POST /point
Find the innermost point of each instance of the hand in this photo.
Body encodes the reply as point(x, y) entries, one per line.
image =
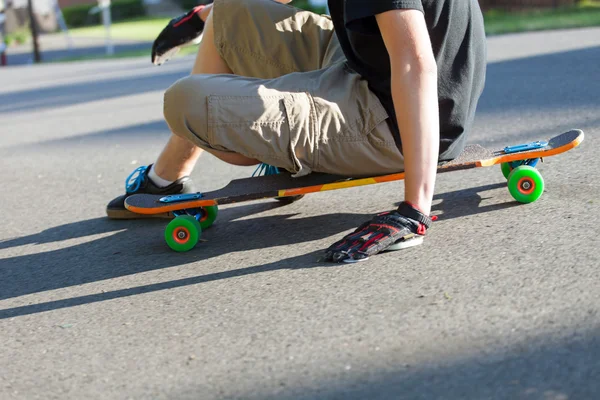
point(178, 32)
point(393, 230)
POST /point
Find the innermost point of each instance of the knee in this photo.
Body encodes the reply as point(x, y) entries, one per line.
point(178, 107)
point(171, 100)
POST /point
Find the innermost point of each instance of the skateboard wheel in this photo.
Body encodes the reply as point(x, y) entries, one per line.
point(525, 184)
point(506, 169)
point(208, 217)
point(182, 233)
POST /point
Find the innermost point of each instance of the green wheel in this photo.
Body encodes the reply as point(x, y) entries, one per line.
point(506, 169)
point(182, 233)
point(525, 184)
point(209, 215)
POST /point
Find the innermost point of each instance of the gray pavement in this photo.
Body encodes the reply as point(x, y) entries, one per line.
point(57, 47)
point(501, 302)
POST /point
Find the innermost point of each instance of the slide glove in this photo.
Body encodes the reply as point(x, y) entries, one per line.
point(392, 230)
point(178, 32)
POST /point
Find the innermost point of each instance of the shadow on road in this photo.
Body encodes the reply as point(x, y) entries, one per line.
point(543, 78)
point(93, 90)
point(503, 91)
point(557, 369)
point(138, 246)
point(103, 139)
point(465, 202)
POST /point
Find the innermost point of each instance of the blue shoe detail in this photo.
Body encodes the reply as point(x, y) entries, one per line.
point(135, 179)
point(173, 198)
point(265, 169)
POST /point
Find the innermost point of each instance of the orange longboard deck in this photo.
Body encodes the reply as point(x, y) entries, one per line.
point(283, 185)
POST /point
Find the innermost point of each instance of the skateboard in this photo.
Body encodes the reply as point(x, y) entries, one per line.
point(197, 211)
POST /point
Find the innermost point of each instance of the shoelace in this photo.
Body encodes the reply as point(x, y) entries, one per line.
point(133, 181)
point(265, 169)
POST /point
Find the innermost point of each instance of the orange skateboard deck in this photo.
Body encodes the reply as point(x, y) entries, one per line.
point(518, 163)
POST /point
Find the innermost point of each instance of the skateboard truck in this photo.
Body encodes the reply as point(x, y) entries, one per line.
point(532, 162)
point(524, 147)
point(180, 197)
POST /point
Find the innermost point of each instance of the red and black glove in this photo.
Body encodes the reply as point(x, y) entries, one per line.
point(393, 230)
point(178, 32)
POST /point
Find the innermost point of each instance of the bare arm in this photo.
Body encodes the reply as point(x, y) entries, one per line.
point(414, 91)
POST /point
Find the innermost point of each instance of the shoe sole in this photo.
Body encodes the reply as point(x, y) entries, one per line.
point(126, 214)
point(405, 244)
point(402, 244)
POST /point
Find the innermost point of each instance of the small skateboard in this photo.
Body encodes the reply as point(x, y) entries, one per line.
point(197, 211)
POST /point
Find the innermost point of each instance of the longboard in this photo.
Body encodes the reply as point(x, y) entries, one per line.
point(518, 162)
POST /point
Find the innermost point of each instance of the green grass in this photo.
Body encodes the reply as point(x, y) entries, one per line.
point(585, 14)
point(17, 37)
point(145, 29)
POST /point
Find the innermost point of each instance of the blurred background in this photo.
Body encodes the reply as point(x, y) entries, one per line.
point(69, 30)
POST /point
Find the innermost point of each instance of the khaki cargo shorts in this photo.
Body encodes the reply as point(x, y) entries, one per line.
point(292, 101)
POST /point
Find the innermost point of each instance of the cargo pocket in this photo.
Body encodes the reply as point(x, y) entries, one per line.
point(350, 111)
point(303, 129)
point(353, 134)
point(268, 128)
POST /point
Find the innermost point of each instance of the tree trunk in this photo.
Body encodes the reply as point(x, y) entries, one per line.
point(34, 32)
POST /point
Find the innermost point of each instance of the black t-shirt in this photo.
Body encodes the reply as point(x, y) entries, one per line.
point(458, 39)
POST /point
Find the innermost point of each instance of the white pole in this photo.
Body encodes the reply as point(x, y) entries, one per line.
point(105, 6)
point(2, 44)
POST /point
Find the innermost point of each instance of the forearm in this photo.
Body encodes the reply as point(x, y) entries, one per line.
point(414, 91)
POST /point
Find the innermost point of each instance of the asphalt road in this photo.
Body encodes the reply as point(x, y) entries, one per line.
point(55, 47)
point(501, 302)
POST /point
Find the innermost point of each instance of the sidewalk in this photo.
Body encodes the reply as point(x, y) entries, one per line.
point(55, 46)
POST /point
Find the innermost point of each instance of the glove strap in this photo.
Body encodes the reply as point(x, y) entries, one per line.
point(189, 18)
point(411, 212)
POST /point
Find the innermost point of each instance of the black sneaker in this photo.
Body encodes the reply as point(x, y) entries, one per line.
point(138, 182)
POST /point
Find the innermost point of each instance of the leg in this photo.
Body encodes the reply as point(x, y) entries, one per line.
point(179, 156)
point(296, 113)
point(276, 47)
point(324, 121)
point(269, 40)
